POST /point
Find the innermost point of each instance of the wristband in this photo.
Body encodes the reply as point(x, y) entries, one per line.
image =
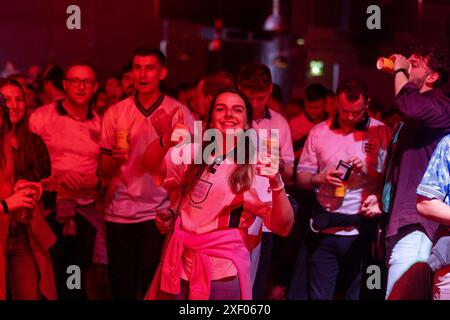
point(405, 72)
point(276, 189)
point(5, 206)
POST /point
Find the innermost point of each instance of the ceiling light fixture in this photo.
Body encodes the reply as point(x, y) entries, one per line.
point(274, 22)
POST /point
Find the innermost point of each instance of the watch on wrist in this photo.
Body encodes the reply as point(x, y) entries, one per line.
point(5, 206)
point(403, 70)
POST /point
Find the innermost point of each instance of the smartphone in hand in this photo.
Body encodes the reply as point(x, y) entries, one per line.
point(345, 170)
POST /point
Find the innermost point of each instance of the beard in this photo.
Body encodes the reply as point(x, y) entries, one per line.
point(419, 82)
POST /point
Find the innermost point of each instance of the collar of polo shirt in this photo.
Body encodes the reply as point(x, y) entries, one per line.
point(363, 125)
point(63, 112)
point(266, 113)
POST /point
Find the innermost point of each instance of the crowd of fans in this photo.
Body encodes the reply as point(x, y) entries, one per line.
point(89, 185)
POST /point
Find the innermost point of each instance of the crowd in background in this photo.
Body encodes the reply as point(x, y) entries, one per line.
point(87, 181)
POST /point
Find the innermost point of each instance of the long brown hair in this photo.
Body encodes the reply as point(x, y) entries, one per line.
point(242, 176)
point(6, 156)
point(26, 152)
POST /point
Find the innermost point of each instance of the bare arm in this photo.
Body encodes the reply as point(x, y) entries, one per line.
point(400, 62)
point(307, 180)
point(400, 81)
point(282, 217)
point(434, 209)
point(153, 160)
point(286, 172)
point(304, 180)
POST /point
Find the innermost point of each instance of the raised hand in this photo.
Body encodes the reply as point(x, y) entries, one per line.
point(171, 134)
point(162, 121)
point(400, 62)
point(179, 131)
point(269, 161)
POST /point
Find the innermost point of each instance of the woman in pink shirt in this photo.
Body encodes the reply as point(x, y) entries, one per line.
point(207, 256)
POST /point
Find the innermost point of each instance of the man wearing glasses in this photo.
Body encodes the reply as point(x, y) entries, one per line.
point(71, 132)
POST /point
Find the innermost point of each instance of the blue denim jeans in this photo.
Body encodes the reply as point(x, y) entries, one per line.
point(439, 262)
point(441, 287)
point(411, 248)
point(331, 256)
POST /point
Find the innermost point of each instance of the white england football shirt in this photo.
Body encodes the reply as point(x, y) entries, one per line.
point(73, 145)
point(212, 205)
point(326, 145)
point(133, 192)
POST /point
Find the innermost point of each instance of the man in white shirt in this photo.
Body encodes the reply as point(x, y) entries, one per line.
point(351, 136)
point(255, 81)
point(71, 131)
point(134, 243)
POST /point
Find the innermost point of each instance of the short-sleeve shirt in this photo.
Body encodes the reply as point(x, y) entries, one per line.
point(435, 183)
point(73, 145)
point(326, 145)
point(212, 205)
point(135, 196)
point(274, 120)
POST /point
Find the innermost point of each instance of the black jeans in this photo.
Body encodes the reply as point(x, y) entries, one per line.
point(67, 251)
point(330, 256)
point(134, 252)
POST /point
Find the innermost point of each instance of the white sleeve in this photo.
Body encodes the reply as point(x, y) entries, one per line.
point(177, 161)
point(308, 160)
point(35, 123)
point(107, 134)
